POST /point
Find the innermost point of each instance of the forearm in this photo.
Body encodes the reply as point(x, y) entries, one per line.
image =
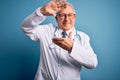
point(85, 56)
point(33, 19)
point(31, 23)
point(83, 53)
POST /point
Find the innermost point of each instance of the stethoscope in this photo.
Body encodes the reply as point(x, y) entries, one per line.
point(75, 36)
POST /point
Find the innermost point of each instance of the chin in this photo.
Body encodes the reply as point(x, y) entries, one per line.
point(66, 29)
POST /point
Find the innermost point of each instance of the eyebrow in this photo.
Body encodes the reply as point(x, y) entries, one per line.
point(57, 14)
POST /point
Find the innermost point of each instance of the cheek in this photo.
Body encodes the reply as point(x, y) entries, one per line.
point(60, 21)
point(73, 21)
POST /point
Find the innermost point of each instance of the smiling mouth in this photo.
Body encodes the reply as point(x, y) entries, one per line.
point(66, 23)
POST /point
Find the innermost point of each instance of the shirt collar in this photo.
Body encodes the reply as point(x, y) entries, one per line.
point(68, 31)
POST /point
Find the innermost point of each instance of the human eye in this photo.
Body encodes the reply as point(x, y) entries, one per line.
point(62, 15)
point(71, 15)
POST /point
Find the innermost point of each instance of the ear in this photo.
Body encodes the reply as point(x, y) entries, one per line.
point(75, 15)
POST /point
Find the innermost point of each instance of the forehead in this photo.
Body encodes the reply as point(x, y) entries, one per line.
point(67, 9)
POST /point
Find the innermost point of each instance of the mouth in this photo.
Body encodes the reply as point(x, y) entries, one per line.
point(65, 23)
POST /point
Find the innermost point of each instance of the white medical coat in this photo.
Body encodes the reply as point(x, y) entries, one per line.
point(55, 62)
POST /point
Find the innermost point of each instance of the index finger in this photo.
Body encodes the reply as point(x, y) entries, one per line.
point(59, 0)
point(55, 0)
point(58, 39)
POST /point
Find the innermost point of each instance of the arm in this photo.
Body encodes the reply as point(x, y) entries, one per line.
point(83, 53)
point(31, 23)
point(79, 50)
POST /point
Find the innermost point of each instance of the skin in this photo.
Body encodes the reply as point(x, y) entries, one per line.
point(64, 22)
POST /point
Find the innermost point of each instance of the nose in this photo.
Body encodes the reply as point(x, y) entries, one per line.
point(66, 17)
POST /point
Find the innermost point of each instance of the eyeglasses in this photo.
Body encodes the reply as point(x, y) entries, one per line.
point(70, 15)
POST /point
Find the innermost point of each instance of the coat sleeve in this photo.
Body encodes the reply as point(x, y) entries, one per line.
point(83, 53)
point(30, 25)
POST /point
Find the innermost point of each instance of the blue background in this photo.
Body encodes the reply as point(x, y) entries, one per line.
point(100, 19)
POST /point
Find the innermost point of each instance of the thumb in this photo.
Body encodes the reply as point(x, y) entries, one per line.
point(70, 35)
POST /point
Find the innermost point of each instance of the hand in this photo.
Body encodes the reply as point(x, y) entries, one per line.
point(51, 8)
point(65, 43)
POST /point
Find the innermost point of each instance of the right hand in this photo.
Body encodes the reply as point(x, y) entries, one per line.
point(51, 8)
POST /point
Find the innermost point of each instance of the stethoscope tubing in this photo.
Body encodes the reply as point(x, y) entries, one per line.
point(76, 35)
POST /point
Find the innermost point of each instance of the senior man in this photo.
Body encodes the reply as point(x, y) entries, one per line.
point(63, 49)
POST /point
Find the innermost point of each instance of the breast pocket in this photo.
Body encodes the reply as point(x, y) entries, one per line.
point(54, 50)
point(53, 46)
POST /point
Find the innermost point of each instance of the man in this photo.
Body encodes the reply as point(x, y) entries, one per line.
point(63, 49)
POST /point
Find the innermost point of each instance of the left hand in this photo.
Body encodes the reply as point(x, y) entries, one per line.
point(65, 43)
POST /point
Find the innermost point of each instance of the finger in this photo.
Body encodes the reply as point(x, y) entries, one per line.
point(55, 0)
point(63, 0)
point(59, 0)
point(62, 45)
point(70, 35)
point(58, 39)
point(58, 42)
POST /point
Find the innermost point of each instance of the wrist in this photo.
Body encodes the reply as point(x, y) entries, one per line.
point(42, 10)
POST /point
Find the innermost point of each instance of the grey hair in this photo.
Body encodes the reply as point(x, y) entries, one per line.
point(64, 4)
point(69, 4)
